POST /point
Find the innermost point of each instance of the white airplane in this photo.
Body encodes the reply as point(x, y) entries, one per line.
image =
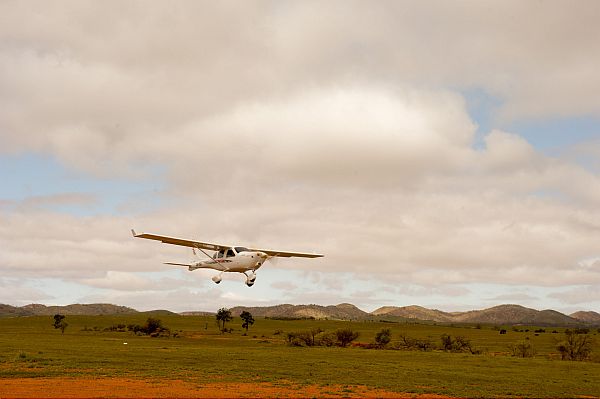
point(227, 258)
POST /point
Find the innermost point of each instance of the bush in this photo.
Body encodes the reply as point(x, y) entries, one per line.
point(153, 328)
point(575, 346)
point(522, 349)
point(327, 339)
point(410, 343)
point(299, 338)
point(317, 337)
point(345, 336)
point(383, 337)
point(457, 344)
point(116, 327)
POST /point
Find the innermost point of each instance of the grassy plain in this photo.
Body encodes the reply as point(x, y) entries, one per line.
point(31, 347)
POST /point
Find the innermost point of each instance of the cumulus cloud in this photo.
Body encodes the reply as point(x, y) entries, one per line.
point(52, 201)
point(350, 138)
point(17, 292)
point(390, 182)
point(584, 294)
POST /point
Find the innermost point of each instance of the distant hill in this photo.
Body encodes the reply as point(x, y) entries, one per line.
point(516, 314)
point(343, 311)
point(414, 312)
point(502, 314)
point(197, 313)
point(587, 317)
point(158, 312)
point(94, 309)
point(7, 310)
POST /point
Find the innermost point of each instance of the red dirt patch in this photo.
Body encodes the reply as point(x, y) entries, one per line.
point(134, 388)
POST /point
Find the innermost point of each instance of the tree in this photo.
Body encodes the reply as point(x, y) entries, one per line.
point(313, 333)
point(575, 346)
point(345, 336)
point(248, 320)
point(223, 316)
point(59, 322)
point(153, 326)
point(383, 337)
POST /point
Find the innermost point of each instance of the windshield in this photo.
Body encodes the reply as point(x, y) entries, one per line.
point(241, 249)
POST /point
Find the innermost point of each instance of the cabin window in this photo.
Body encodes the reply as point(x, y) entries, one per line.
point(240, 249)
point(219, 254)
point(230, 253)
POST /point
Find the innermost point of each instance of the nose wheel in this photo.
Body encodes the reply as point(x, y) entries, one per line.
point(250, 278)
point(217, 279)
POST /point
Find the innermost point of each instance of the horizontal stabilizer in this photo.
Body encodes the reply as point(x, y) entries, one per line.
point(180, 264)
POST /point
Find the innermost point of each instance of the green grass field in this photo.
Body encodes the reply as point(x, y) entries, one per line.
point(31, 347)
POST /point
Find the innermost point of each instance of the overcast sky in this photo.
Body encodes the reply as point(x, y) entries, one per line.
point(438, 153)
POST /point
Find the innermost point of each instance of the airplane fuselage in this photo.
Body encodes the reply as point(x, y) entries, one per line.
point(240, 262)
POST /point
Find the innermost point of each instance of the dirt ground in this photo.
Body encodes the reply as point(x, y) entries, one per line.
point(135, 388)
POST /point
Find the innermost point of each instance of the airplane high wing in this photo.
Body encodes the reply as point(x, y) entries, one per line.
point(182, 242)
point(218, 247)
point(227, 258)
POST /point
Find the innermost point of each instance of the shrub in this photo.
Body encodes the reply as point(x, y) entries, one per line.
point(410, 343)
point(575, 346)
point(327, 339)
point(153, 327)
point(457, 344)
point(383, 337)
point(522, 349)
point(299, 338)
point(345, 336)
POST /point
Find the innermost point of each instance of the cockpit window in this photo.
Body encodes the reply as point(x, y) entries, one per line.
point(230, 253)
point(241, 249)
point(219, 254)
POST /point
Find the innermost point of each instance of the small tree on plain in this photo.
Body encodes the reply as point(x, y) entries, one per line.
point(223, 316)
point(575, 346)
point(59, 322)
point(383, 337)
point(313, 333)
point(248, 320)
point(345, 336)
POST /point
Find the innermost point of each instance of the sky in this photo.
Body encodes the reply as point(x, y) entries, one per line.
point(444, 154)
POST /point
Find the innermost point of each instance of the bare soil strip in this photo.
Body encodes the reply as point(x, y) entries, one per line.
point(137, 388)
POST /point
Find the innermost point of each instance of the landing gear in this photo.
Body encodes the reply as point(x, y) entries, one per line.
point(250, 279)
point(217, 279)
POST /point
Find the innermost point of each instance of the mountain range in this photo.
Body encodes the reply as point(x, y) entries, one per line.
point(502, 314)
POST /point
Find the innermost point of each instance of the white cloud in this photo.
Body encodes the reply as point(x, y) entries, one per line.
point(348, 138)
point(401, 194)
point(16, 292)
point(125, 281)
point(584, 294)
